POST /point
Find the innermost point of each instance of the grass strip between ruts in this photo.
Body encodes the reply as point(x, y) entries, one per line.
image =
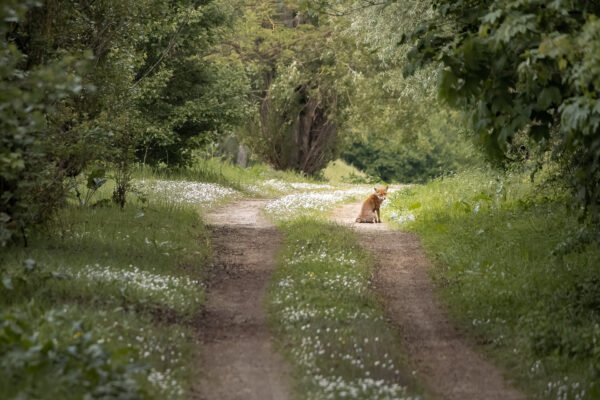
point(328, 321)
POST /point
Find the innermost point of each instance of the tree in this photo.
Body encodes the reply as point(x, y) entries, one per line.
point(29, 189)
point(397, 128)
point(100, 124)
point(188, 95)
point(298, 80)
point(95, 82)
point(523, 68)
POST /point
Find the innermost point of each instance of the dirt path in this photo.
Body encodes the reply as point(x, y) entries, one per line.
point(238, 360)
point(443, 360)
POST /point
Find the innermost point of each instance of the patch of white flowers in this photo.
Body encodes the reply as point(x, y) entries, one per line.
point(296, 204)
point(278, 186)
point(166, 380)
point(166, 383)
point(335, 387)
point(402, 218)
point(302, 254)
point(187, 192)
point(338, 361)
point(287, 186)
point(563, 389)
point(175, 292)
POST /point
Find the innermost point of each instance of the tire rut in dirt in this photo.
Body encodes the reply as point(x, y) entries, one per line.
point(443, 359)
point(238, 360)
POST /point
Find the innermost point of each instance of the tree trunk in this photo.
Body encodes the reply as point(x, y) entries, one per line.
point(301, 139)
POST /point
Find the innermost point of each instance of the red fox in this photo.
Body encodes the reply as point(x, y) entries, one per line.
point(370, 209)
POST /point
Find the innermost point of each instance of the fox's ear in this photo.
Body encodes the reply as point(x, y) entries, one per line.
point(386, 187)
point(375, 189)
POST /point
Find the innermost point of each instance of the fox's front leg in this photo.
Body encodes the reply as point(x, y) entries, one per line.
point(378, 219)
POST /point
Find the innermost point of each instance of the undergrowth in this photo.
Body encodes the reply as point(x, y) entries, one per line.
point(328, 321)
point(100, 303)
point(505, 266)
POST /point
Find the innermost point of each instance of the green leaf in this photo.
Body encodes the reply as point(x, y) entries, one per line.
point(515, 25)
point(549, 96)
point(96, 179)
point(574, 114)
point(492, 17)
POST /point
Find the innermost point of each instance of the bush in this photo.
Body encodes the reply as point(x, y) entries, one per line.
point(30, 183)
point(409, 162)
point(48, 355)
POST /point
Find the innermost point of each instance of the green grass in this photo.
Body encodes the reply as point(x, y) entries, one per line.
point(217, 171)
point(94, 247)
point(496, 240)
point(161, 186)
point(101, 302)
point(328, 321)
point(338, 171)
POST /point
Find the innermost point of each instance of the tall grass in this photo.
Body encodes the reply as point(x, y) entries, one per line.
point(498, 242)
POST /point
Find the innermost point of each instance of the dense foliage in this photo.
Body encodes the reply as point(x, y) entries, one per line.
point(411, 161)
point(529, 68)
point(27, 180)
point(299, 83)
point(95, 83)
point(396, 128)
point(188, 96)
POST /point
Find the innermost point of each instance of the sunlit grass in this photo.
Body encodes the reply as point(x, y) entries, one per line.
point(206, 182)
point(496, 240)
point(338, 171)
point(213, 170)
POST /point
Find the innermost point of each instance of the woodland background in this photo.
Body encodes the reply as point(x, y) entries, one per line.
point(494, 104)
point(96, 85)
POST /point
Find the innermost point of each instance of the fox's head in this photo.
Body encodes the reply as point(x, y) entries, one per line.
point(381, 192)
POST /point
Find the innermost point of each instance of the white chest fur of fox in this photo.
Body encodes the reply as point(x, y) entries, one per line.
point(370, 212)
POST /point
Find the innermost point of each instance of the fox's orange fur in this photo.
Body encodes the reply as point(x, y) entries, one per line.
point(370, 209)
